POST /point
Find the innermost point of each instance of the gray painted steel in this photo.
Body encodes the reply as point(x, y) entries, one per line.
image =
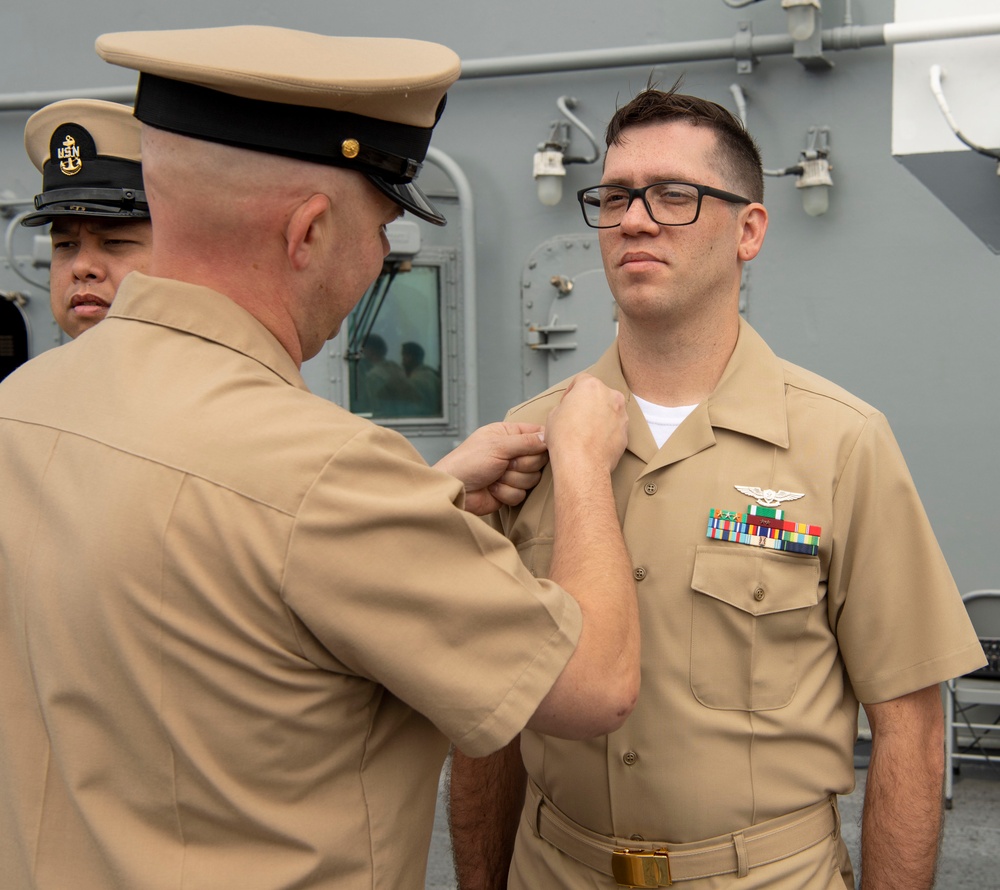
point(889, 294)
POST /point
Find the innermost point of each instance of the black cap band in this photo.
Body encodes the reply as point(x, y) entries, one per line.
point(391, 151)
point(101, 186)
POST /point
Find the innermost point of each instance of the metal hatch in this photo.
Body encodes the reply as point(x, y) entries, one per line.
point(568, 315)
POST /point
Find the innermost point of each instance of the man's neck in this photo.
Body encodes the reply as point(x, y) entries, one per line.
point(675, 368)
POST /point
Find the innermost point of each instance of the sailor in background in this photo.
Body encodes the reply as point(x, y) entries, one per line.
point(88, 153)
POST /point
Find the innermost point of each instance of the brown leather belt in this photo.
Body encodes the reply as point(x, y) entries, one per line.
point(652, 864)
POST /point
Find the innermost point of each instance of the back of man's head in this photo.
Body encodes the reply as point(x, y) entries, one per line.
point(737, 153)
point(274, 158)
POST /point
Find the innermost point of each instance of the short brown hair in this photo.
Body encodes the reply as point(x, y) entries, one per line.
point(736, 150)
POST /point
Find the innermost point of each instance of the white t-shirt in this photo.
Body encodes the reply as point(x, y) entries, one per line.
point(661, 419)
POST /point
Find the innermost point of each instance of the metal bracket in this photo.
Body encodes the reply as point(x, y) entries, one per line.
point(534, 341)
point(809, 53)
point(743, 48)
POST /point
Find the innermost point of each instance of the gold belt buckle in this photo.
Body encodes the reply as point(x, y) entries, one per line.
point(641, 868)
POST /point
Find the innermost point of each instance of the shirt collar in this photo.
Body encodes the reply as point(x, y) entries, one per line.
point(749, 397)
point(203, 313)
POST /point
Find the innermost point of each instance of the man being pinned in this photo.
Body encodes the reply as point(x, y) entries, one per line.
point(762, 630)
point(88, 153)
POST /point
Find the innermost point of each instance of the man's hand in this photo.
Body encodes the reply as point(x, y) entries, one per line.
point(590, 424)
point(498, 465)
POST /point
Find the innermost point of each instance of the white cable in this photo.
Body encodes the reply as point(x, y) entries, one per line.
point(741, 102)
point(565, 103)
point(741, 105)
point(936, 75)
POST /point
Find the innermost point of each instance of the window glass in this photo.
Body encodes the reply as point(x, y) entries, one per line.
point(395, 360)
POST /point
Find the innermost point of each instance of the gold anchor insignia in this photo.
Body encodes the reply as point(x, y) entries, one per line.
point(69, 157)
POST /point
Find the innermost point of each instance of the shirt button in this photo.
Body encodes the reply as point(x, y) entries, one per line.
point(758, 594)
point(638, 573)
point(629, 758)
point(649, 488)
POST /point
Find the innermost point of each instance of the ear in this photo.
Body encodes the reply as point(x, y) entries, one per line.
point(305, 228)
point(754, 222)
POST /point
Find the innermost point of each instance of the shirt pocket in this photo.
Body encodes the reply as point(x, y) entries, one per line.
point(749, 614)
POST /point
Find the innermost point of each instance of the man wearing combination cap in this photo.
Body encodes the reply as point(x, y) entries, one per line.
point(88, 154)
point(239, 625)
point(786, 571)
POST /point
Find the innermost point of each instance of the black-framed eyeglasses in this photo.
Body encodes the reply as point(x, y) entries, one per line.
point(667, 203)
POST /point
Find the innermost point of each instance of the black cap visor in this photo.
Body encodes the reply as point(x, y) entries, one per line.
point(409, 197)
point(105, 203)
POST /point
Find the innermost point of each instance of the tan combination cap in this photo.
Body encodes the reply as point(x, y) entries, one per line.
point(88, 154)
point(364, 103)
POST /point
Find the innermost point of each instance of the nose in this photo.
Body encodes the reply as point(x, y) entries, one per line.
point(637, 219)
point(88, 266)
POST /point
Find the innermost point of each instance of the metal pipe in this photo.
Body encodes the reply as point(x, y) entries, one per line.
point(624, 57)
point(470, 374)
point(842, 38)
point(834, 39)
point(917, 32)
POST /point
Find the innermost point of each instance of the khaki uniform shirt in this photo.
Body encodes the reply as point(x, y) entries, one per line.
point(753, 660)
point(238, 625)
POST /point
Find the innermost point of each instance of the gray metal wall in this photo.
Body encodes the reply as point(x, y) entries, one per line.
point(888, 294)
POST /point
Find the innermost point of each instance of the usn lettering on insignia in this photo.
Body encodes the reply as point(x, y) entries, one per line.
point(69, 157)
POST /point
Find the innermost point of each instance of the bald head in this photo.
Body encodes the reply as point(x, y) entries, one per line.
point(203, 187)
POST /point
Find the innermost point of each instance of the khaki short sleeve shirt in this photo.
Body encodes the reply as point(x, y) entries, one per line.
point(238, 625)
point(753, 659)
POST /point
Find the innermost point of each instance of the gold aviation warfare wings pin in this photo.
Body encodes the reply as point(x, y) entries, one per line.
point(767, 497)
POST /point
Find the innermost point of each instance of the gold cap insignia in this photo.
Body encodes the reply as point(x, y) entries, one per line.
point(349, 148)
point(69, 157)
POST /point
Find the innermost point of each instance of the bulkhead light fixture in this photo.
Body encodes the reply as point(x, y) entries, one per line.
point(803, 16)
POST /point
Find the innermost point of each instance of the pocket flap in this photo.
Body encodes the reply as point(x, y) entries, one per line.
point(756, 581)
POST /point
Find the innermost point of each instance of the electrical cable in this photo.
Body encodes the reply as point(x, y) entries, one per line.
point(565, 103)
point(741, 102)
point(936, 75)
point(739, 97)
point(794, 170)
